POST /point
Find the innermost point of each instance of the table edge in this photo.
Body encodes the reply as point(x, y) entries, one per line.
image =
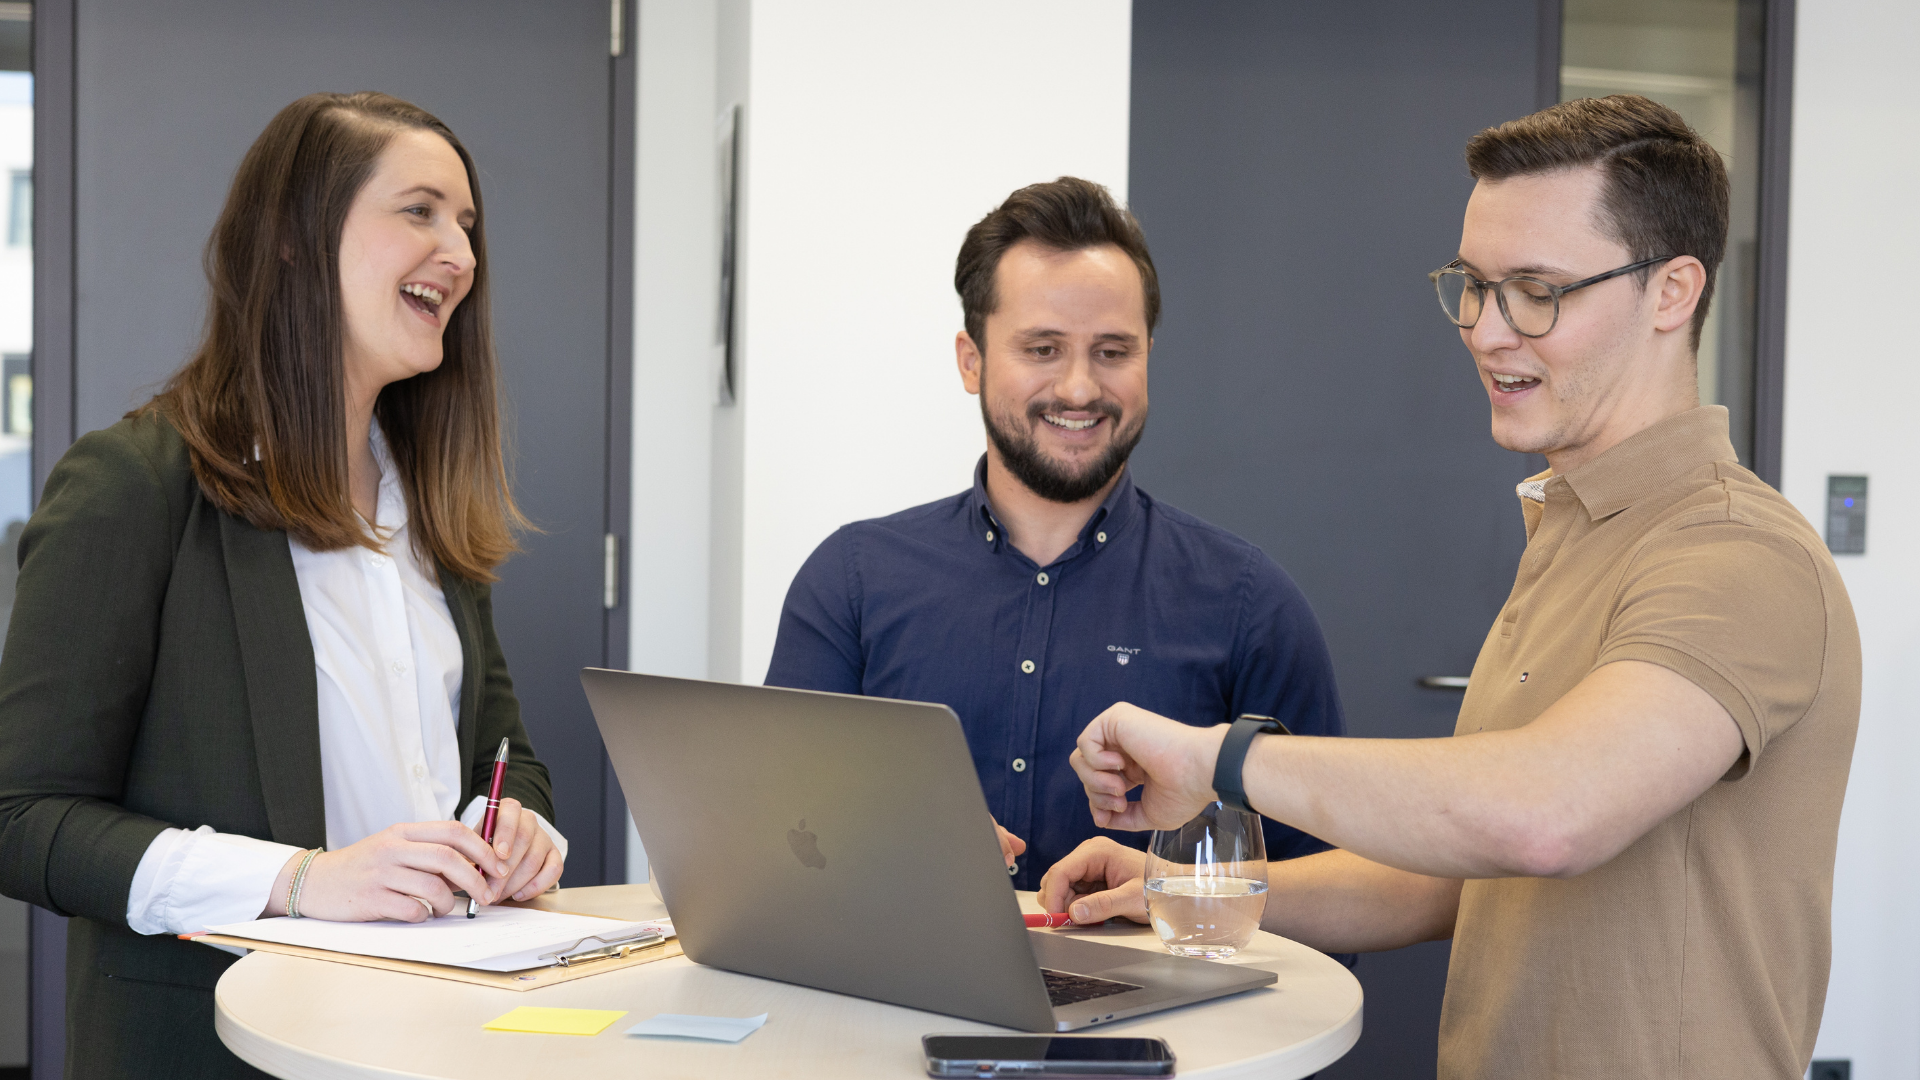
point(279, 1058)
point(1305, 1058)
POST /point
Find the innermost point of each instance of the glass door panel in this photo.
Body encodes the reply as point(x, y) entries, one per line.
point(1701, 59)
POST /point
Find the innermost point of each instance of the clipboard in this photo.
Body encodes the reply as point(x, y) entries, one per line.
point(584, 961)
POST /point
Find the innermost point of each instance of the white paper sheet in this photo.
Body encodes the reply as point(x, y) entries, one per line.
point(711, 1028)
point(499, 939)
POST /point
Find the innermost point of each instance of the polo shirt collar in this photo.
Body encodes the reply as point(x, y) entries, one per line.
point(1649, 460)
point(1115, 512)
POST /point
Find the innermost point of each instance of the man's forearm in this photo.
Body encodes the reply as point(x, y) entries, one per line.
point(1337, 901)
point(1435, 807)
point(1628, 747)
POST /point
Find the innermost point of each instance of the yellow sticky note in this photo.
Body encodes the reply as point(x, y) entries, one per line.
point(556, 1021)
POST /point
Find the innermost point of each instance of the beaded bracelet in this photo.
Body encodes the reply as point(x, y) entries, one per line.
point(299, 878)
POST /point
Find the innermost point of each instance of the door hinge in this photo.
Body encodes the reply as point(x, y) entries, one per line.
point(617, 40)
point(610, 598)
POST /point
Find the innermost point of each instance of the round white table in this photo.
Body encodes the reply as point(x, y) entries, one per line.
point(314, 1020)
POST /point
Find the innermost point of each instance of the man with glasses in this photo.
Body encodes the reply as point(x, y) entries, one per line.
point(1630, 837)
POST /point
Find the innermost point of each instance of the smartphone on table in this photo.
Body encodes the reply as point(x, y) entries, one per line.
point(1045, 1055)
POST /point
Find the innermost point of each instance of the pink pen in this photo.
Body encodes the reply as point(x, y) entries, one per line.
point(493, 811)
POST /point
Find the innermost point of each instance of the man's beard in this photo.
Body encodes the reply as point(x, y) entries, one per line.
point(1046, 477)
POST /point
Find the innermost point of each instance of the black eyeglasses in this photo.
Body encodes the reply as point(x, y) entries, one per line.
point(1530, 306)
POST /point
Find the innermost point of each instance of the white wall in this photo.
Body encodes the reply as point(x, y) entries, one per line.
point(676, 260)
point(1853, 389)
point(877, 133)
point(676, 256)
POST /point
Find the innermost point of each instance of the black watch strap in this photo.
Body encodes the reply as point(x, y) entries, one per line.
point(1227, 782)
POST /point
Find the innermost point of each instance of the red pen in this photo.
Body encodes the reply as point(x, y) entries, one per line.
point(1042, 922)
point(493, 812)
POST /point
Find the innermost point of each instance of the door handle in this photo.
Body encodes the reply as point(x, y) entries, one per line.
point(1444, 682)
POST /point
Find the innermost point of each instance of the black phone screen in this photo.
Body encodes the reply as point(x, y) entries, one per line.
point(1045, 1048)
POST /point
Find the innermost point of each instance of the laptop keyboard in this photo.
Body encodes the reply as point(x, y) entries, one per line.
point(1065, 988)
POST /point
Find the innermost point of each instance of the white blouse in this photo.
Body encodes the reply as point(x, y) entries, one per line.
point(387, 660)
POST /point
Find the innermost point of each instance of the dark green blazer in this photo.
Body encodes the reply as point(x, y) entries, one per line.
point(158, 672)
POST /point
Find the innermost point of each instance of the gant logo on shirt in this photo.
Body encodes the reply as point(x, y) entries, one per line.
point(1122, 654)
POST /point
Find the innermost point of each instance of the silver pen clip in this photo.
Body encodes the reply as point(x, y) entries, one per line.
point(611, 948)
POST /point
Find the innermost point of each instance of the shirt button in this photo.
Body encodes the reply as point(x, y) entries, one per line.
point(1042, 579)
point(1102, 537)
point(378, 560)
point(989, 536)
point(399, 668)
point(1019, 764)
point(1026, 666)
point(419, 772)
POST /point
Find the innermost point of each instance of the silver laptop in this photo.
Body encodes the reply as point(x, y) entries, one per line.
point(843, 843)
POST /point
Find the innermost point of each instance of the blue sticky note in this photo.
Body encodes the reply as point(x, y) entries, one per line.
point(710, 1028)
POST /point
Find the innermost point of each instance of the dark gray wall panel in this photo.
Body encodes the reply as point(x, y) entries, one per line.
point(169, 95)
point(1298, 170)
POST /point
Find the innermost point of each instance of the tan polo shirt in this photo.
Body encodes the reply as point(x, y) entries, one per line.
point(1702, 949)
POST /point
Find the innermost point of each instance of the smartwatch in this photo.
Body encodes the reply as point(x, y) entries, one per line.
point(1227, 782)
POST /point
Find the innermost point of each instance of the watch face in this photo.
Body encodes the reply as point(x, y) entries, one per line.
point(1267, 724)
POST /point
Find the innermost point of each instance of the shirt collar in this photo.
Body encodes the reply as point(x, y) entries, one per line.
point(1649, 460)
point(1115, 512)
point(391, 507)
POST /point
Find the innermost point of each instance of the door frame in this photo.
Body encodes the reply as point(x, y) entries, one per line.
point(53, 366)
point(53, 419)
point(1770, 271)
point(622, 196)
point(53, 235)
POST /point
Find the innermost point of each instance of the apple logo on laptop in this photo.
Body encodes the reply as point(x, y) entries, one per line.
point(806, 847)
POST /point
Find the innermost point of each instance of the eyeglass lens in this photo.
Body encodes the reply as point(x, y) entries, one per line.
point(1529, 305)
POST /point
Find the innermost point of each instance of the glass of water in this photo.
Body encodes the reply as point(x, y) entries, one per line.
point(1207, 883)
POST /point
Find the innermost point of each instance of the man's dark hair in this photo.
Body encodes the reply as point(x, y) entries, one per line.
point(1068, 214)
point(1664, 190)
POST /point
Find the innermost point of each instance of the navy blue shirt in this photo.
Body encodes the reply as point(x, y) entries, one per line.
point(1150, 606)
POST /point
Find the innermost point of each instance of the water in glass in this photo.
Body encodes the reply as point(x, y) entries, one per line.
point(1207, 883)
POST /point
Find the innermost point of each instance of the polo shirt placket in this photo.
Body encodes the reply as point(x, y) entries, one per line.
point(1550, 522)
point(1036, 637)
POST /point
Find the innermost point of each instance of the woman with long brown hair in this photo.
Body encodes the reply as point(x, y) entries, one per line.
point(252, 667)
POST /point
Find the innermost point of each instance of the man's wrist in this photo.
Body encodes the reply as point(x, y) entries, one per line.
point(1229, 782)
point(1207, 760)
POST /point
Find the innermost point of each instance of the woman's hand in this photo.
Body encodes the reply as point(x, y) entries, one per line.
point(531, 862)
point(406, 873)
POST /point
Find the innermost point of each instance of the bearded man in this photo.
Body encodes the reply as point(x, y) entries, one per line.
point(1054, 587)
